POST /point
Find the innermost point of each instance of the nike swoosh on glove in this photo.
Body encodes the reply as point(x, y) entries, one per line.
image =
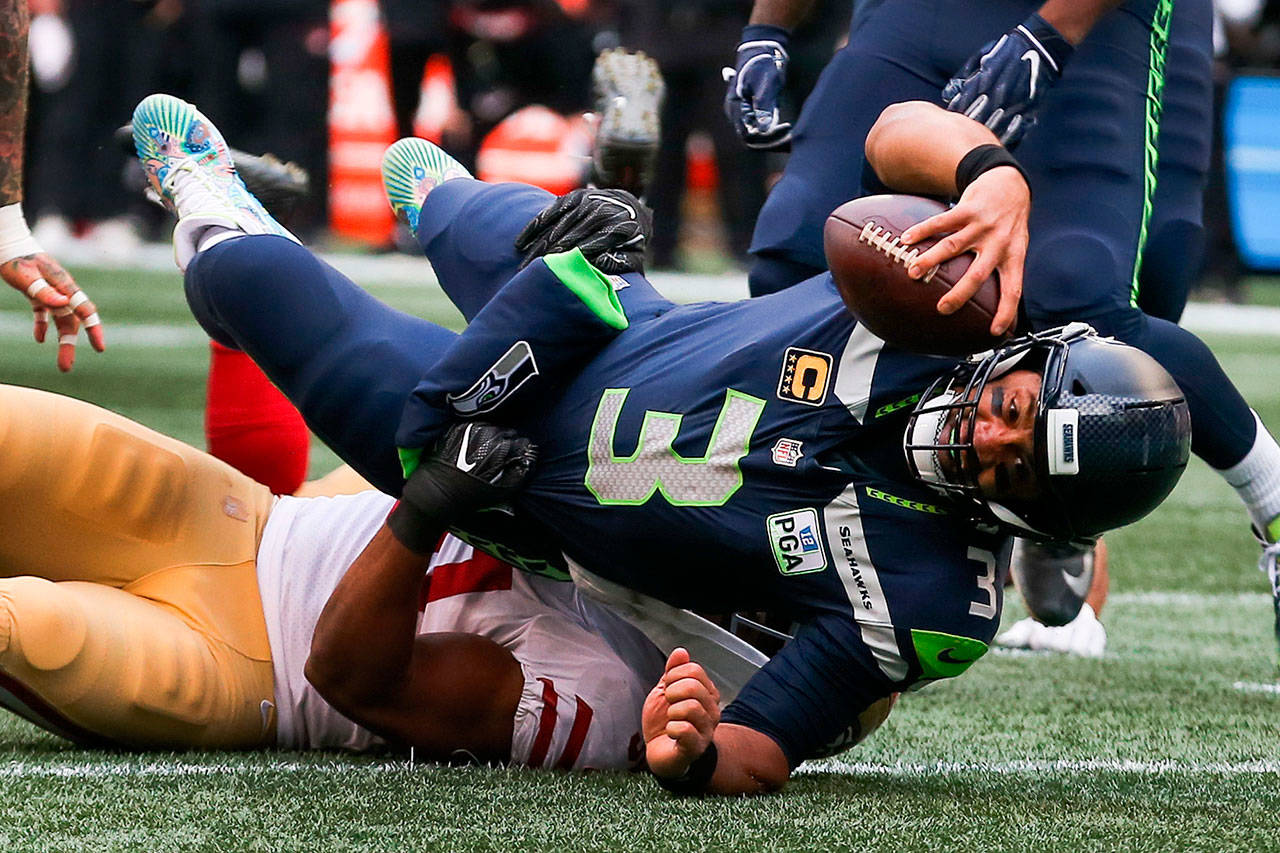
point(475, 465)
point(611, 227)
point(755, 86)
point(1002, 85)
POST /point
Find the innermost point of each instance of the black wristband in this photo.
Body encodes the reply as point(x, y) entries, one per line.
point(414, 529)
point(983, 159)
point(697, 777)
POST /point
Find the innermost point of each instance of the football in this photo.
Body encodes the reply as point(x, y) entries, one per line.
point(868, 262)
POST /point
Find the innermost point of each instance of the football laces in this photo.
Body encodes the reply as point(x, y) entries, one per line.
point(892, 246)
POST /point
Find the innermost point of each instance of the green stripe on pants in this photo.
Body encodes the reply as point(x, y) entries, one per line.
point(1151, 149)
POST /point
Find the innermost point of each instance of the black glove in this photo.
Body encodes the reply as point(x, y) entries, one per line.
point(1001, 86)
point(755, 86)
point(474, 466)
point(611, 227)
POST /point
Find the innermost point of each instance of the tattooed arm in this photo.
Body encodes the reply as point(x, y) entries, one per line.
point(14, 24)
point(23, 265)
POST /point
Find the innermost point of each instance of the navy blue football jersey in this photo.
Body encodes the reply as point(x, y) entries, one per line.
point(749, 455)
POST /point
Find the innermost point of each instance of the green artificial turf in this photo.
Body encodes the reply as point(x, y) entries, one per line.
point(1170, 742)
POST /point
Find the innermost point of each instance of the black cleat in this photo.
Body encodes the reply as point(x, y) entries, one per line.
point(628, 99)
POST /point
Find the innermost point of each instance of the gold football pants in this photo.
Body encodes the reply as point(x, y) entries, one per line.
point(129, 603)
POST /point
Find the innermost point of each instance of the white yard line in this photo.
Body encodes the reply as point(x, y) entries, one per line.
point(1033, 767)
point(1270, 688)
point(1201, 317)
point(1188, 599)
point(404, 270)
point(142, 335)
point(180, 768)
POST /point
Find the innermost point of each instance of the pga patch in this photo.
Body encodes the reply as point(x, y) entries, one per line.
point(797, 545)
point(787, 452)
point(805, 375)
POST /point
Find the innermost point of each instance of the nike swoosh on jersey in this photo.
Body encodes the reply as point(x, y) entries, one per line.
point(946, 657)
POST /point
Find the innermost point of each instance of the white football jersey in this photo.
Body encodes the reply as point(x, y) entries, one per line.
point(586, 671)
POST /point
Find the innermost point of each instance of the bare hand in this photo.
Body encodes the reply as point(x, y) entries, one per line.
point(990, 220)
point(680, 716)
point(49, 287)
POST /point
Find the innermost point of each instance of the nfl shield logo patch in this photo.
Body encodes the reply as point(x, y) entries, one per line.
point(787, 452)
point(797, 546)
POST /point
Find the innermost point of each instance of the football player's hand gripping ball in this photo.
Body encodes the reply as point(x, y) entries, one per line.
point(755, 87)
point(475, 465)
point(1002, 85)
point(49, 288)
point(989, 220)
point(611, 227)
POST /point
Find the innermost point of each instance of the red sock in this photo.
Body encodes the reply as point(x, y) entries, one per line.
point(250, 425)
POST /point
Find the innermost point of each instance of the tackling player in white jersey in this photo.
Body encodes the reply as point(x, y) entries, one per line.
point(153, 597)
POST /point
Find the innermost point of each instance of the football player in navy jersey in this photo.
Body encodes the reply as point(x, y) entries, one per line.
point(1109, 102)
point(741, 455)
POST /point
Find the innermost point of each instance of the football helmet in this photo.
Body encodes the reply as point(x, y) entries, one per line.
point(1112, 434)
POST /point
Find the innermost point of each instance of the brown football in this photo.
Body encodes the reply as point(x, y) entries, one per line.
point(868, 262)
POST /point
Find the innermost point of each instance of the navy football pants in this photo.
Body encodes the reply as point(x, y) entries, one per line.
point(346, 360)
point(1086, 163)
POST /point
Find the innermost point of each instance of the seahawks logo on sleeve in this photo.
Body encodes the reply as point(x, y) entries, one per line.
point(516, 367)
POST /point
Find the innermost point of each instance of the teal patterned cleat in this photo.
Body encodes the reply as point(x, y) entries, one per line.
point(188, 165)
point(412, 168)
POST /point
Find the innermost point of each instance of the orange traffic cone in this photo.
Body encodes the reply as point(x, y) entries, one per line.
point(437, 100)
point(361, 122)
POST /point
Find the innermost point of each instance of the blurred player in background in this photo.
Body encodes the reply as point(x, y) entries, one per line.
point(802, 499)
point(153, 597)
point(1110, 97)
point(678, 33)
point(23, 265)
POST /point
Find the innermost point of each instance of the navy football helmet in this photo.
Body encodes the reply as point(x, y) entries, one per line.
point(1112, 435)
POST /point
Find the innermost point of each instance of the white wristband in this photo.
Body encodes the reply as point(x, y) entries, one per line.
point(15, 237)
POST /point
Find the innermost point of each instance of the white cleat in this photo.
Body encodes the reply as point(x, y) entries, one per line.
point(188, 165)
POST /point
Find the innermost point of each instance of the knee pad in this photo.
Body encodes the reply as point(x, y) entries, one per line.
point(1071, 277)
point(44, 629)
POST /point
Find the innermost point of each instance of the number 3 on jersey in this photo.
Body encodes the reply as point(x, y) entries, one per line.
point(985, 607)
point(708, 480)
